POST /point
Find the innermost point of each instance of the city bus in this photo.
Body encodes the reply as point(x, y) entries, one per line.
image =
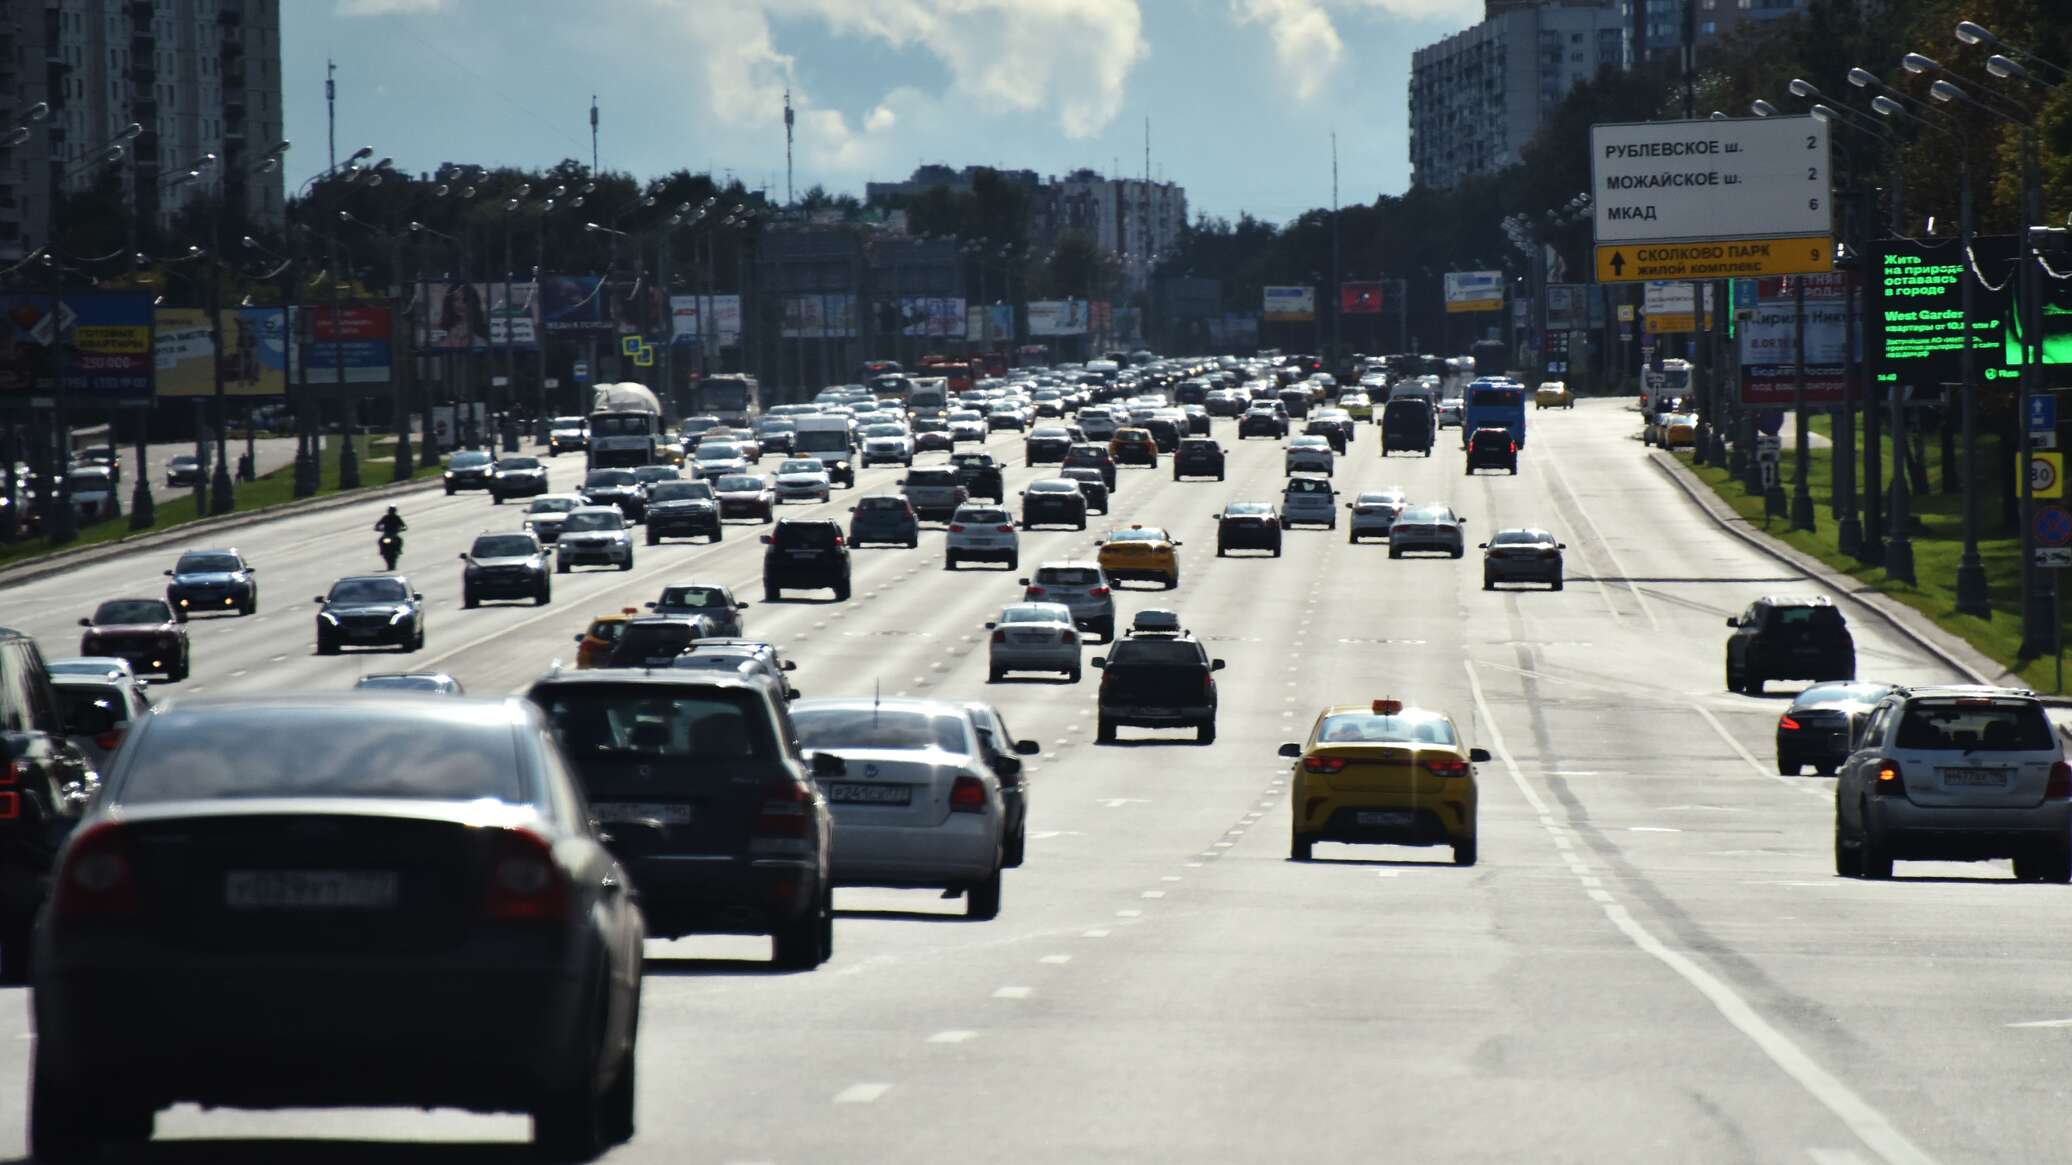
point(1494, 403)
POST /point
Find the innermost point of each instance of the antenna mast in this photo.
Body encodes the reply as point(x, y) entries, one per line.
point(593, 135)
point(789, 198)
point(331, 106)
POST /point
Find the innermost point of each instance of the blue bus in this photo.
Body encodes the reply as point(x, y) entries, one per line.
point(1494, 403)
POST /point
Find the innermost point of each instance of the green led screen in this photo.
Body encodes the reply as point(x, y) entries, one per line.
point(1917, 313)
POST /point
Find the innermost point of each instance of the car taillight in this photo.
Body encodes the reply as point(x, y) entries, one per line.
point(999, 636)
point(1003, 529)
point(1890, 782)
point(1446, 766)
point(99, 877)
point(1322, 764)
point(956, 529)
point(784, 814)
point(2060, 786)
point(1067, 637)
point(968, 795)
point(1098, 593)
point(838, 539)
point(1033, 592)
point(1787, 724)
point(108, 740)
point(10, 772)
point(524, 879)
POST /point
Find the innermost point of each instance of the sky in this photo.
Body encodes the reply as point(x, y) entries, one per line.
point(1242, 96)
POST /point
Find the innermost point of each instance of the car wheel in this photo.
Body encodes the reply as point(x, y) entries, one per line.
point(1488, 583)
point(801, 944)
point(1072, 677)
point(496, 499)
point(62, 1124)
point(1205, 732)
point(1104, 731)
point(561, 566)
point(1788, 765)
point(982, 901)
point(770, 593)
point(1825, 768)
point(653, 538)
point(1457, 552)
point(1299, 847)
point(326, 645)
point(949, 562)
point(1464, 852)
point(841, 590)
point(628, 563)
point(1556, 585)
point(543, 597)
point(1016, 849)
point(1106, 628)
point(467, 600)
point(1848, 864)
point(913, 542)
point(449, 491)
point(1874, 860)
point(1220, 551)
point(569, 1124)
point(1752, 684)
point(1395, 552)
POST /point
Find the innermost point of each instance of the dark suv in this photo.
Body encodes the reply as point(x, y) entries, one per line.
point(885, 519)
point(805, 554)
point(981, 474)
point(1784, 637)
point(1492, 449)
point(1158, 681)
point(698, 780)
point(506, 566)
point(51, 785)
point(1198, 457)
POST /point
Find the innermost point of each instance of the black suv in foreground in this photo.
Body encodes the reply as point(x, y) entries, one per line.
point(803, 554)
point(52, 783)
point(698, 780)
point(1198, 457)
point(1158, 681)
point(1788, 637)
point(1492, 449)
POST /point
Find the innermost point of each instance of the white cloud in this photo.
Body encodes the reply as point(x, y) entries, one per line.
point(387, 7)
point(1305, 42)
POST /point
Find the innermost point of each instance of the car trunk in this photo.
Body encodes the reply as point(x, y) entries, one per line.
point(1980, 754)
point(886, 787)
point(1389, 769)
point(655, 805)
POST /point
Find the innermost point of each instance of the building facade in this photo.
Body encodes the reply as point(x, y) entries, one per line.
point(200, 77)
point(1661, 25)
point(1479, 95)
point(1136, 221)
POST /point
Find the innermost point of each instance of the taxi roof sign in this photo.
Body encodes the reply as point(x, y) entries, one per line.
point(1387, 707)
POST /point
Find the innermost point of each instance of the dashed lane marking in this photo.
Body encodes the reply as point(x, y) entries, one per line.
point(862, 1093)
point(1011, 992)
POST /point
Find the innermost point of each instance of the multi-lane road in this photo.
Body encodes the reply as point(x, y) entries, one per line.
point(1652, 961)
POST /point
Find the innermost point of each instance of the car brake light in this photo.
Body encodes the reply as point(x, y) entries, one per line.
point(524, 880)
point(1890, 781)
point(968, 795)
point(1098, 593)
point(2060, 786)
point(108, 740)
point(1446, 766)
point(1003, 529)
point(10, 772)
point(99, 877)
point(1033, 592)
point(956, 529)
point(784, 814)
point(1323, 764)
point(1787, 724)
point(1067, 637)
point(999, 636)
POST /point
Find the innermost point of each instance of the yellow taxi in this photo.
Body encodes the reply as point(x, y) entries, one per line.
point(1679, 430)
point(1357, 405)
point(1133, 447)
point(1553, 394)
point(1383, 774)
point(595, 643)
point(1145, 553)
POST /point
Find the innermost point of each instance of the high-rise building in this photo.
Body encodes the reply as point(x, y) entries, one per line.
point(1136, 221)
point(1662, 21)
point(200, 77)
point(1479, 95)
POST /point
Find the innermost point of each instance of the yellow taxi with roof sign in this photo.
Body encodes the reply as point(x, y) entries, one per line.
point(1144, 553)
point(1384, 774)
point(595, 642)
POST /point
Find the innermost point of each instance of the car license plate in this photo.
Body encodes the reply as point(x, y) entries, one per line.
point(310, 889)
point(641, 811)
point(1383, 817)
point(1975, 778)
point(802, 553)
point(1031, 637)
point(854, 793)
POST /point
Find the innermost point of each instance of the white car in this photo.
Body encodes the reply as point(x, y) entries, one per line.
point(1450, 412)
point(916, 802)
point(1374, 513)
point(1428, 528)
point(548, 511)
point(984, 533)
point(594, 536)
point(966, 425)
point(803, 479)
point(1099, 424)
point(1310, 454)
point(1309, 501)
point(1033, 637)
point(887, 444)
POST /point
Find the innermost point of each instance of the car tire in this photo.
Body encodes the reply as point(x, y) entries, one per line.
point(1205, 732)
point(1464, 852)
point(949, 562)
point(62, 1123)
point(326, 645)
point(628, 564)
point(569, 1124)
point(913, 542)
point(982, 899)
point(652, 537)
point(1395, 551)
point(770, 593)
point(1299, 847)
point(1072, 677)
point(468, 601)
point(1556, 585)
point(802, 944)
point(1107, 629)
point(449, 491)
point(1873, 861)
point(1825, 768)
point(1016, 849)
point(1848, 864)
point(1788, 765)
point(1458, 551)
point(995, 675)
point(543, 596)
point(1104, 731)
point(1751, 684)
point(496, 499)
point(1488, 583)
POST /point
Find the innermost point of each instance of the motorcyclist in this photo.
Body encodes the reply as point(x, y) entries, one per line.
point(391, 526)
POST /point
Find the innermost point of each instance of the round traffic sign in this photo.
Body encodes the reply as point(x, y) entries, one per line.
point(2043, 475)
point(2052, 526)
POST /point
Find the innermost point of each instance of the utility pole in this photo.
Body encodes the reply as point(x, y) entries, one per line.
point(331, 108)
point(790, 199)
point(1336, 302)
point(593, 135)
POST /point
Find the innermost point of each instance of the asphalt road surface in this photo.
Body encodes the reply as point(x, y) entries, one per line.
point(1653, 960)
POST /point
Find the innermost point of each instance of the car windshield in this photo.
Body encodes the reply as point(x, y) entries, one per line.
point(632, 720)
point(368, 590)
point(1406, 727)
point(610, 477)
point(1806, 618)
point(677, 491)
point(1052, 486)
point(207, 564)
point(983, 517)
point(403, 683)
point(802, 465)
point(1068, 576)
point(901, 729)
point(1373, 498)
point(592, 520)
point(1248, 509)
point(553, 505)
point(883, 431)
point(653, 473)
point(931, 477)
point(895, 504)
point(739, 483)
point(133, 611)
point(1149, 534)
point(719, 451)
point(693, 598)
point(511, 463)
point(567, 422)
point(1436, 515)
point(1521, 538)
point(807, 534)
point(504, 546)
point(1840, 693)
point(469, 460)
point(1975, 725)
point(1161, 652)
point(460, 752)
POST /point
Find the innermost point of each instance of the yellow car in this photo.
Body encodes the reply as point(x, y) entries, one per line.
point(1553, 394)
point(1357, 405)
point(1679, 429)
point(1383, 774)
point(1141, 552)
point(1133, 447)
point(595, 643)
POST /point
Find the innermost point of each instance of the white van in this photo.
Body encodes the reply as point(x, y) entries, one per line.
point(831, 440)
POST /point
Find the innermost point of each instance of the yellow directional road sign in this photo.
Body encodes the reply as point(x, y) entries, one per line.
point(1729, 259)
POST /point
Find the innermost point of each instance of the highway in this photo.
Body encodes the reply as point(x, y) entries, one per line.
point(1652, 961)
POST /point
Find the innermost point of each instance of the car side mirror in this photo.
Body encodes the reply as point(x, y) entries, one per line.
point(168, 573)
point(251, 570)
point(1733, 620)
point(580, 638)
point(417, 596)
point(1291, 749)
point(827, 764)
point(1099, 661)
point(318, 600)
point(1479, 756)
point(649, 606)
point(1215, 665)
point(766, 539)
point(463, 557)
point(791, 665)
point(1027, 748)
point(1481, 545)
point(1561, 546)
point(852, 509)
point(1008, 766)
point(1021, 582)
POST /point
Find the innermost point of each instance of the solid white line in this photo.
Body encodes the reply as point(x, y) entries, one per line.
point(1055, 960)
point(1766, 770)
point(1496, 740)
point(952, 1037)
point(1010, 993)
point(1128, 913)
point(1096, 933)
point(1153, 894)
point(1604, 543)
point(861, 1093)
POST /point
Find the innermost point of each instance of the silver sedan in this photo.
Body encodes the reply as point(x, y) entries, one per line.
point(1033, 637)
point(1428, 529)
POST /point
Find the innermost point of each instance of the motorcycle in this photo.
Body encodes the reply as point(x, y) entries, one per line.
point(391, 549)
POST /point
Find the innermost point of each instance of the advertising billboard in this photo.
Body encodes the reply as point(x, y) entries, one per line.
point(988, 322)
point(454, 316)
point(1916, 330)
point(1768, 337)
point(1359, 299)
point(1289, 305)
point(819, 317)
point(921, 315)
point(105, 338)
point(1474, 291)
point(1057, 317)
point(254, 358)
point(706, 319)
point(572, 307)
point(356, 334)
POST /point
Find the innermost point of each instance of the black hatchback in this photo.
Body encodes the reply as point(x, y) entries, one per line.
point(1198, 457)
point(802, 554)
point(886, 519)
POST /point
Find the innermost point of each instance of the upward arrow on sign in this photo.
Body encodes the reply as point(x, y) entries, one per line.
point(1618, 263)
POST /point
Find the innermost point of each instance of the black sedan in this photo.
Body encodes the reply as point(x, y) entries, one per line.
point(410, 907)
point(682, 509)
point(1262, 422)
point(146, 632)
point(506, 566)
point(1053, 501)
point(981, 475)
point(376, 610)
point(1521, 555)
point(1248, 526)
point(1820, 726)
point(184, 471)
point(1093, 485)
point(469, 469)
point(517, 477)
point(212, 580)
point(616, 487)
point(1198, 457)
point(886, 519)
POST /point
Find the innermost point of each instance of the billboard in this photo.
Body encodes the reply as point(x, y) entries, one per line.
point(1668, 307)
point(1474, 291)
point(475, 316)
point(1568, 307)
point(1916, 330)
point(106, 341)
point(922, 315)
point(254, 355)
point(819, 317)
point(1359, 299)
point(989, 322)
point(1290, 305)
point(572, 307)
point(1057, 317)
point(355, 336)
point(706, 319)
point(1768, 335)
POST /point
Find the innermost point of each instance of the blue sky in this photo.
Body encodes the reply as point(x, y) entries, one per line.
point(1243, 95)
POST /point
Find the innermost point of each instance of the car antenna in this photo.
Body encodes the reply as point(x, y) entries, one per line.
point(876, 686)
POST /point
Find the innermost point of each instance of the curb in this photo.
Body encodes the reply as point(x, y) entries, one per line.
point(1900, 618)
point(63, 560)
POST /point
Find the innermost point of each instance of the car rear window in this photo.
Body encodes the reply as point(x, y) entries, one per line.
point(207, 564)
point(1370, 728)
point(458, 753)
point(805, 534)
point(505, 546)
point(839, 728)
point(610, 477)
point(679, 491)
point(1068, 576)
point(1975, 726)
point(932, 477)
point(983, 516)
point(647, 720)
point(1156, 653)
point(739, 483)
point(1807, 618)
point(581, 521)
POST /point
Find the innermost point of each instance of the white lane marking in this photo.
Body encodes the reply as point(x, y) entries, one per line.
point(1095, 933)
point(952, 1037)
point(1172, 877)
point(1152, 894)
point(1652, 829)
point(239, 674)
point(1129, 914)
point(1010, 992)
point(861, 1093)
point(1055, 960)
point(2043, 1023)
point(1869, 1125)
point(1835, 1156)
point(1554, 463)
point(1770, 771)
point(1387, 873)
